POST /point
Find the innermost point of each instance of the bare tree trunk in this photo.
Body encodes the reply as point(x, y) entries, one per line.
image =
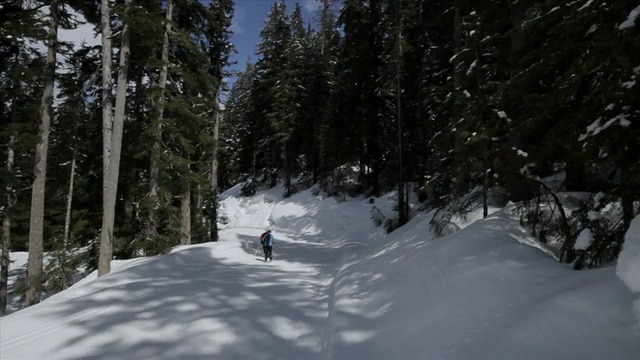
point(152, 221)
point(485, 161)
point(286, 169)
point(214, 156)
point(36, 228)
point(67, 217)
point(6, 231)
point(457, 47)
point(111, 190)
point(212, 213)
point(403, 215)
point(273, 174)
point(107, 112)
point(198, 215)
point(628, 211)
point(485, 204)
point(185, 207)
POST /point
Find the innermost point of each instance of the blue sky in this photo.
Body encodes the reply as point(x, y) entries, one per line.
point(249, 20)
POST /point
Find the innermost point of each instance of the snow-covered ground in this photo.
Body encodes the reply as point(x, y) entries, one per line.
point(629, 266)
point(17, 270)
point(338, 288)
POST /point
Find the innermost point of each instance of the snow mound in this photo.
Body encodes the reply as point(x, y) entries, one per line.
point(628, 268)
point(480, 293)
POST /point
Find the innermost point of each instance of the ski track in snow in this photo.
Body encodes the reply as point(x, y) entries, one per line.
point(33, 333)
point(324, 288)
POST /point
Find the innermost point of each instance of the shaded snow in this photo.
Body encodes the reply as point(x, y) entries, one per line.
point(17, 271)
point(628, 268)
point(476, 294)
point(586, 5)
point(471, 67)
point(585, 238)
point(520, 152)
point(631, 19)
point(338, 288)
point(596, 127)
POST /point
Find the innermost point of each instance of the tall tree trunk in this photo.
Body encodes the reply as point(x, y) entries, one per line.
point(36, 228)
point(67, 216)
point(485, 204)
point(107, 112)
point(326, 27)
point(6, 230)
point(152, 222)
point(628, 211)
point(457, 46)
point(273, 172)
point(214, 153)
point(372, 139)
point(213, 210)
point(286, 169)
point(402, 206)
point(198, 216)
point(421, 107)
point(111, 190)
point(486, 162)
point(185, 209)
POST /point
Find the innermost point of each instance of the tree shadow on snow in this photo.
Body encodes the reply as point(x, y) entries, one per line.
point(187, 305)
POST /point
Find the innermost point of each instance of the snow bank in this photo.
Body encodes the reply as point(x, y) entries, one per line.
point(628, 268)
point(479, 293)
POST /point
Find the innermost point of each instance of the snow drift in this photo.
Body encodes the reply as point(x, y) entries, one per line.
point(339, 288)
point(629, 266)
point(480, 293)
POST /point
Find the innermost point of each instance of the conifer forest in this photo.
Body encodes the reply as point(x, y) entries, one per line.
point(119, 150)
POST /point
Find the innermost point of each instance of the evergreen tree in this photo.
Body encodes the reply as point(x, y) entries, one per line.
point(36, 223)
point(322, 57)
point(21, 85)
point(218, 49)
point(72, 217)
point(240, 137)
point(483, 100)
point(276, 86)
point(359, 113)
point(113, 137)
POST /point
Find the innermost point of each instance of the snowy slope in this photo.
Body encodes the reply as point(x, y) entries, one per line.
point(628, 268)
point(338, 288)
point(476, 294)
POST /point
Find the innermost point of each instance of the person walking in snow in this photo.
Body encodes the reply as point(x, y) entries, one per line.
point(267, 240)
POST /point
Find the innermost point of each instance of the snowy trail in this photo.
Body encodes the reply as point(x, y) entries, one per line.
point(338, 288)
point(211, 299)
point(311, 265)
